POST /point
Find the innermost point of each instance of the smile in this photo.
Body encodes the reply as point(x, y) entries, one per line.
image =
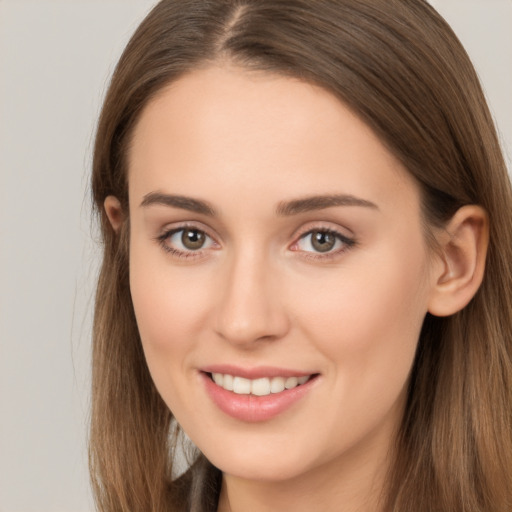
point(260, 394)
point(259, 387)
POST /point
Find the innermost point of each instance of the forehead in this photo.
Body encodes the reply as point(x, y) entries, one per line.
point(259, 133)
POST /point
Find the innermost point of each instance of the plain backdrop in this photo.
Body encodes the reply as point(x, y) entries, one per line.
point(55, 61)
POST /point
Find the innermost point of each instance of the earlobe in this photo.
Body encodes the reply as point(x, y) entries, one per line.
point(114, 212)
point(463, 251)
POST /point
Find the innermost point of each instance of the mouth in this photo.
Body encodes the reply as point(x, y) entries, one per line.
point(269, 393)
point(263, 386)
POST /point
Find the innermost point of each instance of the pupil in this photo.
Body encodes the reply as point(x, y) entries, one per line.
point(192, 239)
point(322, 241)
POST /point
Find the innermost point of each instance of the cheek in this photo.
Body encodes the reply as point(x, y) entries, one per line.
point(168, 306)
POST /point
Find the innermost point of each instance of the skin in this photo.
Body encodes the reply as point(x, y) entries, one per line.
point(257, 293)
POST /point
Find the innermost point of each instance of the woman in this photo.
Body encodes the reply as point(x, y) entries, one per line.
point(307, 229)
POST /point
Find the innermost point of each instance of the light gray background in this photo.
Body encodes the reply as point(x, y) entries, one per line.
point(55, 60)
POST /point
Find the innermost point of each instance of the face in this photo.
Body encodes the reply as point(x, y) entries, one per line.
point(277, 249)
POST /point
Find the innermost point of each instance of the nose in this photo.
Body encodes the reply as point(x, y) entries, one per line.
point(250, 307)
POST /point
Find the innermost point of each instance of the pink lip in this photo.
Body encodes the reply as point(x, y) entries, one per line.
point(251, 408)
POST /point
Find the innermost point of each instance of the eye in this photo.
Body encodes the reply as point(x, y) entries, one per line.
point(323, 241)
point(191, 239)
point(185, 240)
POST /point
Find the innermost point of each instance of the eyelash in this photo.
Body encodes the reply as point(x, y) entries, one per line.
point(177, 253)
point(347, 242)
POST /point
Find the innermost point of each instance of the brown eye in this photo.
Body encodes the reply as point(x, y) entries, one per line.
point(193, 239)
point(322, 241)
point(187, 242)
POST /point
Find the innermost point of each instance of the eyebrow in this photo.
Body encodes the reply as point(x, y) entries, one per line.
point(176, 201)
point(284, 209)
point(312, 203)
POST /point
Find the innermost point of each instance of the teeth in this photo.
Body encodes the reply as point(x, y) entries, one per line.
point(228, 382)
point(291, 382)
point(257, 387)
point(241, 386)
point(260, 387)
point(277, 385)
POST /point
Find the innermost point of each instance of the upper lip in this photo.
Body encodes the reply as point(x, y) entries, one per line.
point(256, 372)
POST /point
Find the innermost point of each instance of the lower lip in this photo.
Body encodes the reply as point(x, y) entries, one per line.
point(252, 408)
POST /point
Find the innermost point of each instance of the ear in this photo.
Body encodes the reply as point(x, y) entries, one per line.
point(463, 249)
point(114, 212)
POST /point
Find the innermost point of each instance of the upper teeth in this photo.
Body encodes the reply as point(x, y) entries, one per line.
point(258, 387)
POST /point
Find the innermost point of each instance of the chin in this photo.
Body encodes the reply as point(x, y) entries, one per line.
point(264, 471)
point(257, 464)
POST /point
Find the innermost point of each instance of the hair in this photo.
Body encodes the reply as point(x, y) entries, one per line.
point(400, 68)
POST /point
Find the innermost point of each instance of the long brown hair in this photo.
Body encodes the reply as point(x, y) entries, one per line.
point(398, 65)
